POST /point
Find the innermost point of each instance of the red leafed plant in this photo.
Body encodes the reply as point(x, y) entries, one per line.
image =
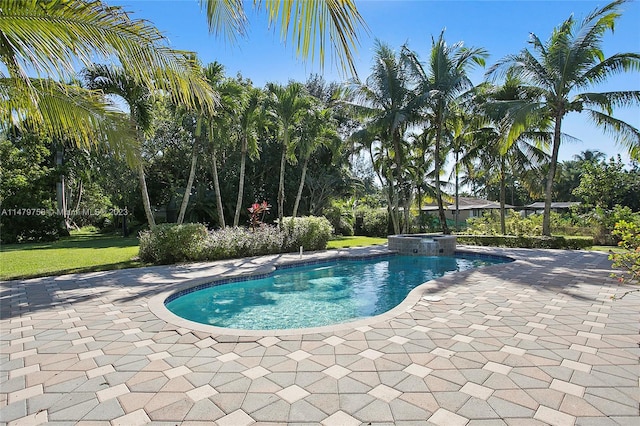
point(257, 212)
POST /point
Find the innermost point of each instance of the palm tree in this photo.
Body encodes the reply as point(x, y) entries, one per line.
point(318, 130)
point(138, 97)
point(384, 99)
point(560, 69)
point(219, 126)
point(191, 119)
point(286, 104)
point(51, 37)
point(465, 127)
point(250, 116)
point(495, 105)
point(590, 156)
point(440, 85)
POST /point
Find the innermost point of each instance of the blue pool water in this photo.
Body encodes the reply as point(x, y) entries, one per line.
point(322, 294)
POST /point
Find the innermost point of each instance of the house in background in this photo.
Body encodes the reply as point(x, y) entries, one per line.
point(468, 207)
point(556, 206)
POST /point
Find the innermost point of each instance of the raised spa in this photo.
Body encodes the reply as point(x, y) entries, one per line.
point(423, 244)
point(315, 295)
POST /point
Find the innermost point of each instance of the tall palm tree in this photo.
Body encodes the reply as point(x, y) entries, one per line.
point(441, 83)
point(318, 129)
point(560, 70)
point(219, 126)
point(116, 81)
point(250, 117)
point(465, 127)
point(384, 100)
point(494, 105)
point(51, 37)
point(195, 147)
point(286, 104)
point(590, 156)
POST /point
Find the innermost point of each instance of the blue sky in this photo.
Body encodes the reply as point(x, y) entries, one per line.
point(501, 27)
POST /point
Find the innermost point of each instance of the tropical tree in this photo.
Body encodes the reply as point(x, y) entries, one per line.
point(441, 83)
point(524, 153)
point(318, 129)
point(384, 101)
point(116, 81)
point(561, 70)
point(465, 130)
point(286, 104)
point(568, 174)
point(250, 117)
point(221, 126)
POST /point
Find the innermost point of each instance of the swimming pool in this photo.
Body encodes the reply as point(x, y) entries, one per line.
point(316, 295)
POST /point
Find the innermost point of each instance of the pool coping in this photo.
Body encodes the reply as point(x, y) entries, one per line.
point(156, 304)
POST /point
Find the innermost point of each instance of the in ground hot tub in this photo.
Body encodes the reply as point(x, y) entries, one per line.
point(423, 244)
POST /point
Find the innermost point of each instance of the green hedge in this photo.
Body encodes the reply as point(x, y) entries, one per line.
point(171, 243)
point(573, 243)
point(372, 222)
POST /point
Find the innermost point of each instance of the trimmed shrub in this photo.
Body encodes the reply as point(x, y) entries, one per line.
point(311, 232)
point(171, 243)
point(372, 222)
point(238, 242)
point(573, 243)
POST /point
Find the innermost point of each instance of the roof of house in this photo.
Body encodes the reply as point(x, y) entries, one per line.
point(554, 204)
point(469, 203)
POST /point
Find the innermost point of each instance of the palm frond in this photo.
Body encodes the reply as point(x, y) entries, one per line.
point(615, 64)
point(315, 26)
point(226, 18)
point(49, 38)
point(622, 132)
point(608, 100)
point(68, 113)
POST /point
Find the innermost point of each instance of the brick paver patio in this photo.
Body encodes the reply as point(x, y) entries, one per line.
point(535, 341)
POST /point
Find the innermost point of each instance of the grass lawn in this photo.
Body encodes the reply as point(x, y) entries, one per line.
point(607, 249)
point(87, 251)
point(344, 242)
point(81, 252)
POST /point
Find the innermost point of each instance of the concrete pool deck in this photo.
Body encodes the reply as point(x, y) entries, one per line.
point(535, 341)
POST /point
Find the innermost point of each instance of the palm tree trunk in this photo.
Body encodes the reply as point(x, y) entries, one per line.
point(389, 194)
point(187, 191)
point(546, 218)
point(457, 191)
point(443, 219)
point(502, 197)
point(243, 160)
point(145, 195)
point(80, 191)
point(283, 162)
point(299, 196)
point(407, 212)
point(216, 186)
point(420, 221)
point(398, 161)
